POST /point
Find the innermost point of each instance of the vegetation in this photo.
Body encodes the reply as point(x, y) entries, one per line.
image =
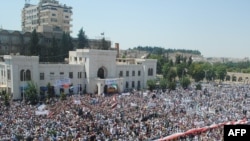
point(160, 50)
point(151, 84)
point(185, 82)
point(31, 95)
point(63, 96)
point(5, 97)
point(82, 41)
point(105, 45)
point(34, 47)
point(198, 86)
point(163, 83)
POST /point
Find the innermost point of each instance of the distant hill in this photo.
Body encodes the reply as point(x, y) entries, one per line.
point(144, 52)
point(160, 50)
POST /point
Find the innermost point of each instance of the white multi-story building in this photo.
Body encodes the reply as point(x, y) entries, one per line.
point(47, 16)
point(93, 71)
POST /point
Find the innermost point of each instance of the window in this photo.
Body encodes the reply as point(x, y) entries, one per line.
point(51, 73)
point(150, 72)
point(53, 14)
point(100, 73)
point(139, 84)
point(126, 84)
point(8, 74)
point(79, 75)
point(127, 73)
point(139, 73)
point(41, 76)
point(22, 75)
point(85, 75)
point(70, 74)
point(53, 20)
point(121, 74)
point(133, 73)
point(28, 75)
point(61, 73)
point(133, 84)
point(66, 16)
point(75, 58)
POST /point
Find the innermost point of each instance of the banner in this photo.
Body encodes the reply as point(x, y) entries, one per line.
point(63, 81)
point(45, 112)
point(110, 81)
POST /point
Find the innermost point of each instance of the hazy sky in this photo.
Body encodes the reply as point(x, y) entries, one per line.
point(217, 28)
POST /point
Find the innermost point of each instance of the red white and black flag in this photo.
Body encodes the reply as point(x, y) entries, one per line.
point(114, 102)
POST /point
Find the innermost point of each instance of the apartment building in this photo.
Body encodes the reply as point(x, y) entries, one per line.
point(48, 16)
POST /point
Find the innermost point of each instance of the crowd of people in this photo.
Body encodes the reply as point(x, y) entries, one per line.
point(134, 116)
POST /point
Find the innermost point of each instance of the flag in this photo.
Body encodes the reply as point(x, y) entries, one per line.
point(114, 102)
point(114, 105)
point(114, 99)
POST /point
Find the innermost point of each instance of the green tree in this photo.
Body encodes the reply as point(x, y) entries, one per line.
point(70, 42)
point(63, 96)
point(198, 86)
point(34, 48)
point(54, 51)
point(171, 75)
point(6, 99)
point(181, 70)
point(171, 63)
point(163, 83)
point(171, 85)
point(185, 82)
point(105, 45)
point(190, 60)
point(151, 84)
point(160, 62)
point(63, 47)
point(165, 69)
point(31, 94)
point(197, 72)
point(177, 59)
point(221, 72)
point(82, 41)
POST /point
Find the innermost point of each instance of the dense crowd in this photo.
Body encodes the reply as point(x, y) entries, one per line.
point(135, 116)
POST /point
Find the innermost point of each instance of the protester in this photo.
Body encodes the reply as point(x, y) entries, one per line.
point(137, 116)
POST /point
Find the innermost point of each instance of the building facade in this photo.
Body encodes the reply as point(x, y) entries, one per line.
point(88, 70)
point(47, 17)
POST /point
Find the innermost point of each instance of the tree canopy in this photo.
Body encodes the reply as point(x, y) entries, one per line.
point(82, 41)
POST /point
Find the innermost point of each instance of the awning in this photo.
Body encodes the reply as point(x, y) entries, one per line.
point(112, 86)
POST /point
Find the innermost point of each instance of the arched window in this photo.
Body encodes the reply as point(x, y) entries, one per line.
point(100, 73)
point(22, 75)
point(28, 75)
point(150, 72)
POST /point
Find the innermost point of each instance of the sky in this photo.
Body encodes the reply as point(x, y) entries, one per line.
point(217, 28)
